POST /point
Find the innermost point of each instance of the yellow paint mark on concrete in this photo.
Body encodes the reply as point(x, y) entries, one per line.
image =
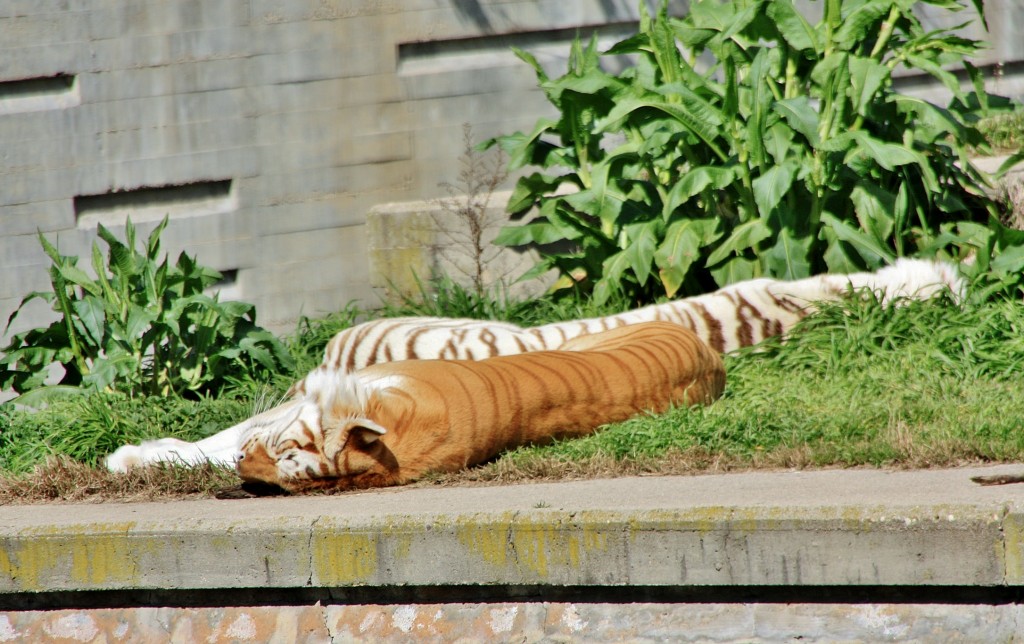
point(1012, 549)
point(344, 558)
point(99, 556)
point(541, 545)
point(489, 540)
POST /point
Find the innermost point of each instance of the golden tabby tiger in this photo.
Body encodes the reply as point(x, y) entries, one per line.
point(391, 423)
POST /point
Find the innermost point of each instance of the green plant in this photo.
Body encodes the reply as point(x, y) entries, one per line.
point(141, 326)
point(790, 154)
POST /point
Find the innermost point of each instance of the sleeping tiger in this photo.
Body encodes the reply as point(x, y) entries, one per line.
point(392, 423)
point(735, 316)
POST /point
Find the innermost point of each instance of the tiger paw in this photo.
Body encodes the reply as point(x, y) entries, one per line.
point(161, 450)
point(124, 458)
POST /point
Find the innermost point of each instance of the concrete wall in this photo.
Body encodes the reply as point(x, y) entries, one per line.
point(272, 126)
point(267, 129)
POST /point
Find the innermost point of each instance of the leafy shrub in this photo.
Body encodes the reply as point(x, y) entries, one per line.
point(791, 154)
point(139, 326)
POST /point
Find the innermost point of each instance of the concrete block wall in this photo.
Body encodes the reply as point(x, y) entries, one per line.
point(293, 117)
point(296, 116)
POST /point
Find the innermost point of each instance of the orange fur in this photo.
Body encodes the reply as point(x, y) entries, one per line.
point(392, 423)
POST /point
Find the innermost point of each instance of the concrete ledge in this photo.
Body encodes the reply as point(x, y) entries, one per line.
point(828, 528)
point(817, 556)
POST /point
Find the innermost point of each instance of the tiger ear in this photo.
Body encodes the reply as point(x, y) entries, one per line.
point(367, 430)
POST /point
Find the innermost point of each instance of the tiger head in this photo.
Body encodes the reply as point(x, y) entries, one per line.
point(319, 439)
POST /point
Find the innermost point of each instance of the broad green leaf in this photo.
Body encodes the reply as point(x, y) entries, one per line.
point(692, 112)
point(681, 247)
point(1009, 261)
point(779, 142)
point(532, 233)
point(257, 352)
point(90, 313)
point(613, 270)
point(793, 27)
point(901, 216)
point(737, 23)
point(948, 79)
point(887, 155)
point(800, 116)
point(826, 69)
point(530, 188)
point(663, 45)
point(737, 269)
point(692, 38)
point(875, 208)
point(857, 24)
point(529, 149)
point(837, 254)
point(712, 15)
point(531, 60)
point(696, 181)
point(935, 117)
point(866, 78)
point(787, 259)
point(593, 82)
point(866, 246)
point(744, 236)
point(76, 276)
point(771, 187)
point(108, 370)
point(44, 396)
point(138, 322)
point(642, 243)
point(760, 104)
point(1007, 165)
point(153, 241)
point(978, 82)
point(634, 44)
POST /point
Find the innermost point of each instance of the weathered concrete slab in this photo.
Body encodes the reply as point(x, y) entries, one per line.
point(827, 528)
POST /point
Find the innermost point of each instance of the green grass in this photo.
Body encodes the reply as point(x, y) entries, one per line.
point(1004, 132)
point(918, 385)
point(447, 298)
point(925, 384)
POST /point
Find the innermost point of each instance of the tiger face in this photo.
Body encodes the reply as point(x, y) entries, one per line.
point(319, 437)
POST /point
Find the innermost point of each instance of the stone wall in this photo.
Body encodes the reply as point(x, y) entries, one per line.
point(527, 622)
point(268, 129)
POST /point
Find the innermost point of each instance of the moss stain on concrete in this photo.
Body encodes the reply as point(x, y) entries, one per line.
point(1011, 549)
point(100, 556)
point(344, 558)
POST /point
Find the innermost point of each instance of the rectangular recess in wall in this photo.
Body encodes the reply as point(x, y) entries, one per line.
point(37, 94)
point(227, 285)
point(494, 50)
point(152, 203)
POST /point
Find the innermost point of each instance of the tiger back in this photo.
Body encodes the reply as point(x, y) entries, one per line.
point(392, 423)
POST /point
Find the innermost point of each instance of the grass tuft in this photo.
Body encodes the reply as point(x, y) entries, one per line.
point(65, 480)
